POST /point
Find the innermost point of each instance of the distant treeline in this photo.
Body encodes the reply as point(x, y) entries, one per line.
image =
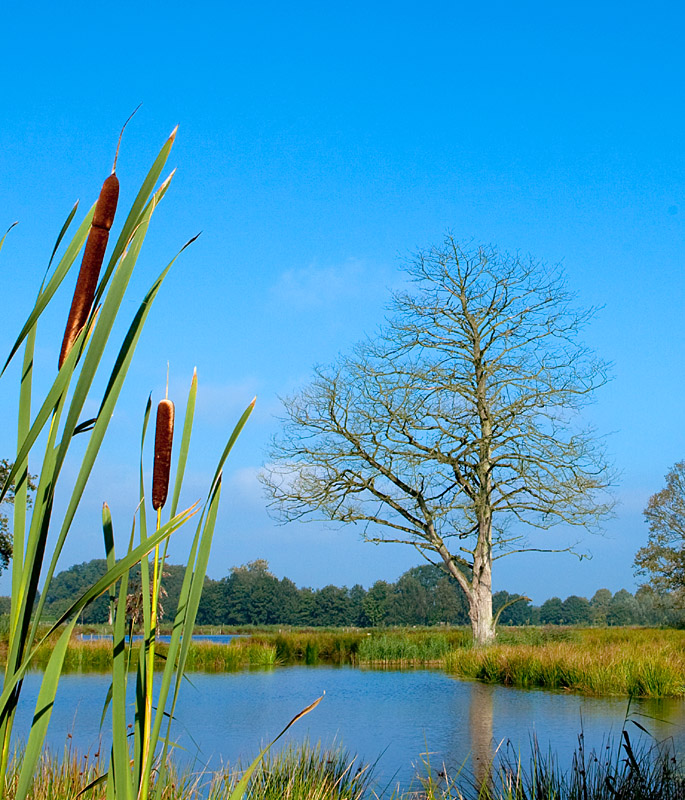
point(425, 595)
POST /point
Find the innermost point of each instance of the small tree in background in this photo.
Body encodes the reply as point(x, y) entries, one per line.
point(662, 560)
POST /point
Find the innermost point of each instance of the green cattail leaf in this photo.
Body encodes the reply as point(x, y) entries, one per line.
point(183, 623)
point(21, 487)
point(53, 284)
point(98, 588)
point(144, 567)
point(185, 444)
point(48, 690)
point(241, 786)
point(60, 236)
point(108, 536)
point(56, 391)
point(36, 540)
point(119, 770)
point(191, 588)
point(92, 785)
point(105, 412)
point(41, 717)
point(2, 241)
point(18, 526)
point(232, 440)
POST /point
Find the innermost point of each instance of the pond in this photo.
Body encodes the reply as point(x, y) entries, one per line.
point(214, 638)
point(389, 716)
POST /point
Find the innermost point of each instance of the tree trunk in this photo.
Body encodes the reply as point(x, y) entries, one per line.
point(480, 608)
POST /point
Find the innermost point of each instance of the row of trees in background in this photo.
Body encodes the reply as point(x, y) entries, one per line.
point(425, 595)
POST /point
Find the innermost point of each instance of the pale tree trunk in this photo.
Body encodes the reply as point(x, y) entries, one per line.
point(478, 590)
point(480, 596)
point(480, 609)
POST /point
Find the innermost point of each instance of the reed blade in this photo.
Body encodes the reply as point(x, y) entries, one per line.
point(120, 771)
point(53, 284)
point(185, 444)
point(105, 412)
point(241, 786)
point(60, 236)
point(52, 399)
point(98, 588)
point(142, 520)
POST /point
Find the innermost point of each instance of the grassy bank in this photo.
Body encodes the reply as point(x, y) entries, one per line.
point(640, 662)
point(96, 656)
point(309, 772)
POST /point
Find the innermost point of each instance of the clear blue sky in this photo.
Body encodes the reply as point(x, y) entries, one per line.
point(319, 145)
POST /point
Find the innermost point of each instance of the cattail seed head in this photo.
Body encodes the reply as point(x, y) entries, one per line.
point(93, 257)
point(107, 203)
point(164, 436)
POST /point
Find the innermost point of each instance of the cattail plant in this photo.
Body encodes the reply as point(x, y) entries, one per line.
point(164, 437)
point(59, 413)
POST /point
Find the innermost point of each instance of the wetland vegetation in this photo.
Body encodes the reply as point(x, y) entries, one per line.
point(634, 662)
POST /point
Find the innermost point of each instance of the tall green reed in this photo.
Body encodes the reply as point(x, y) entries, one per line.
point(154, 709)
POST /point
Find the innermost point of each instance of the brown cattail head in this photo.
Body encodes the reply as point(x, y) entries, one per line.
point(93, 256)
point(164, 436)
point(107, 203)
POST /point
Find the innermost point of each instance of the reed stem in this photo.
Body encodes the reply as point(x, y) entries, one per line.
point(147, 755)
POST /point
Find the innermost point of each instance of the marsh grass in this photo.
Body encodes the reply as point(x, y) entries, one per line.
point(96, 656)
point(635, 665)
point(312, 772)
point(634, 662)
point(299, 771)
point(616, 771)
point(621, 770)
point(405, 650)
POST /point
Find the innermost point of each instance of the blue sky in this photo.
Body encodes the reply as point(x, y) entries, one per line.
point(319, 146)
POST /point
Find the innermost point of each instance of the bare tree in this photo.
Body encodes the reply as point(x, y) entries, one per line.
point(456, 424)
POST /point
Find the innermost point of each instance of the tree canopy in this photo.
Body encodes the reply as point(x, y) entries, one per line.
point(662, 560)
point(455, 430)
point(424, 595)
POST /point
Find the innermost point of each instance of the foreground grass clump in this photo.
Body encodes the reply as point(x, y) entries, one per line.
point(310, 772)
point(614, 772)
point(303, 772)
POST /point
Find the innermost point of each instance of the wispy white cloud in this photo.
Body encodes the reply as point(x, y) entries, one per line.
point(245, 488)
point(316, 286)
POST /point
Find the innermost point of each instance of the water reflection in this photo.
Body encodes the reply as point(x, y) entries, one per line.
point(481, 711)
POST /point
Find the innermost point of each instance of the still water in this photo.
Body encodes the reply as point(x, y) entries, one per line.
point(214, 638)
point(391, 717)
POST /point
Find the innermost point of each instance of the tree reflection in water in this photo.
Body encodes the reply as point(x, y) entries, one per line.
point(481, 731)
